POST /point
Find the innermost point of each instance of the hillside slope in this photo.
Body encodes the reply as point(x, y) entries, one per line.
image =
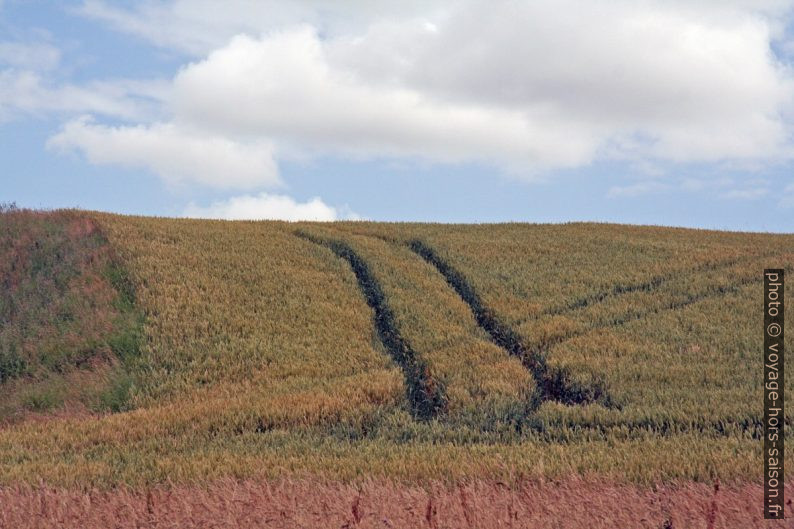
point(69, 331)
point(627, 353)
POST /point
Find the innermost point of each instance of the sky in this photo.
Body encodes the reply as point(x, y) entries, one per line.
point(673, 112)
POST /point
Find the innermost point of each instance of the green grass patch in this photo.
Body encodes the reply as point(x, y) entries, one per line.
point(67, 305)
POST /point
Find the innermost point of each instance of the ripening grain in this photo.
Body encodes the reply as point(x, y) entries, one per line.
point(260, 360)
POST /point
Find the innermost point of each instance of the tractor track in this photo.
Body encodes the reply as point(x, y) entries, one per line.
point(426, 396)
point(713, 292)
point(553, 383)
point(644, 286)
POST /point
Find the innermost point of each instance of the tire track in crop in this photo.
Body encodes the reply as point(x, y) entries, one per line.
point(644, 286)
point(553, 383)
point(626, 318)
point(616, 291)
point(425, 395)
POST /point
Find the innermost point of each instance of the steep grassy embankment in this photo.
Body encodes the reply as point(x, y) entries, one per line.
point(69, 332)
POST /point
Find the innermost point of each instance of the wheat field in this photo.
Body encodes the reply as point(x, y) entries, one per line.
point(395, 357)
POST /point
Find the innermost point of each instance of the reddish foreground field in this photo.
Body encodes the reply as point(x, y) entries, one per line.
point(308, 503)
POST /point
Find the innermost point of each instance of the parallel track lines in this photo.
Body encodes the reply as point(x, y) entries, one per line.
point(425, 395)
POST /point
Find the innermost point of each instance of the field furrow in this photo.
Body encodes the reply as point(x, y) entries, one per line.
point(686, 290)
point(669, 335)
point(426, 396)
point(644, 286)
point(483, 385)
point(553, 384)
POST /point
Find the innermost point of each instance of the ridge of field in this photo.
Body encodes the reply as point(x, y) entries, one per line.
point(260, 359)
point(482, 384)
point(69, 332)
point(526, 270)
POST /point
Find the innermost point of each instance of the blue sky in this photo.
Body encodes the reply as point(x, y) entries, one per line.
point(648, 113)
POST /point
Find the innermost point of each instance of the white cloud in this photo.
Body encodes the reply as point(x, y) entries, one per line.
point(266, 206)
point(283, 87)
point(179, 155)
point(693, 83)
point(197, 27)
point(525, 86)
point(191, 27)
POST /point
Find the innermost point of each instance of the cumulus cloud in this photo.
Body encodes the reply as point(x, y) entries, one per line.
point(653, 79)
point(283, 87)
point(266, 206)
point(524, 86)
point(178, 154)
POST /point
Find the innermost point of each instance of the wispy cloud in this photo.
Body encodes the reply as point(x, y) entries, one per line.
point(745, 194)
point(25, 92)
point(29, 56)
point(637, 189)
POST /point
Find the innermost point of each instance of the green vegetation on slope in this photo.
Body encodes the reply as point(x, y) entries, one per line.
point(69, 331)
